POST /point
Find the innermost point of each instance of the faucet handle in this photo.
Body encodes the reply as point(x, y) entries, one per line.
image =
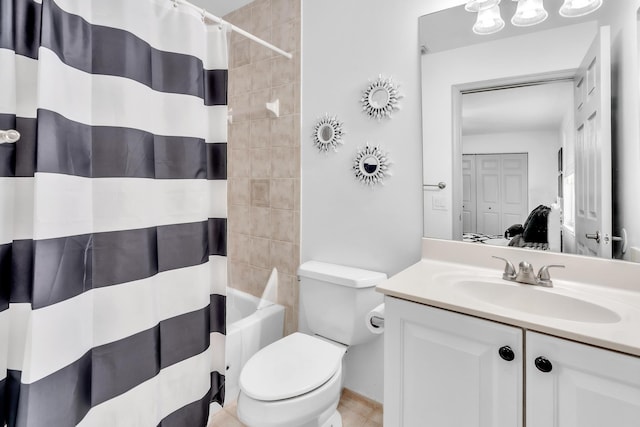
point(544, 278)
point(509, 270)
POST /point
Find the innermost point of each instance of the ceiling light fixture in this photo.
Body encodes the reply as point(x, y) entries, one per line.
point(575, 8)
point(489, 20)
point(529, 12)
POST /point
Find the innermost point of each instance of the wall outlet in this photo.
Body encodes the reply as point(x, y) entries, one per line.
point(439, 203)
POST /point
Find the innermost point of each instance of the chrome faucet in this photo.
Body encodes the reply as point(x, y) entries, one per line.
point(526, 275)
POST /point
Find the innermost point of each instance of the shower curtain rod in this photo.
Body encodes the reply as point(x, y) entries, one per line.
point(238, 30)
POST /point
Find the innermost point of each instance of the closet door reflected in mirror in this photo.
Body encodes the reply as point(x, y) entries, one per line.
point(495, 194)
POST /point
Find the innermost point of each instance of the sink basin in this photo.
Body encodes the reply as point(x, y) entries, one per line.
point(536, 300)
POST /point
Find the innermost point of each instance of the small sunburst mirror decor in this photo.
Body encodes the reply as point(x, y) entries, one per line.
point(328, 133)
point(371, 165)
point(381, 98)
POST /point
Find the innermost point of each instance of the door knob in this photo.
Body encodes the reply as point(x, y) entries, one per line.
point(507, 353)
point(595, 237)
point(543, 364)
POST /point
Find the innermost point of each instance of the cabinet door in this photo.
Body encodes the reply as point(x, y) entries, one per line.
point(586, 387)
point(444, 369)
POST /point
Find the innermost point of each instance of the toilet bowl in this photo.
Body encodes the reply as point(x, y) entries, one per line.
point(296, 381)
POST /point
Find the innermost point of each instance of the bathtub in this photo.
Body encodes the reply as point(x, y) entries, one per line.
point(248, 330)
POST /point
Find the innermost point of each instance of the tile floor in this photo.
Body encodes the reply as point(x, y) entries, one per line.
point(356, 411)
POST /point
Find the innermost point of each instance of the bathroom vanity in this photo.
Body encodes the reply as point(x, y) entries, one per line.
point(463, 347)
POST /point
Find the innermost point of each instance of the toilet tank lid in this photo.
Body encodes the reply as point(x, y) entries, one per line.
point(341, 274)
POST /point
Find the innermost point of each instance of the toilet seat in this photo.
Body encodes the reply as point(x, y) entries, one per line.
point(312, 409)
point(290, 367)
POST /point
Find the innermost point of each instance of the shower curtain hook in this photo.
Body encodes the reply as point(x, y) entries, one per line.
point(203, 16)
point(175, 3)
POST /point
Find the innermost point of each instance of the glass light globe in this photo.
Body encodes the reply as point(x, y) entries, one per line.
point(489, 21)
point(575, 8)
point(529, 12)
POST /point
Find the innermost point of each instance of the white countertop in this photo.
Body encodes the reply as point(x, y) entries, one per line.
point(430, 282)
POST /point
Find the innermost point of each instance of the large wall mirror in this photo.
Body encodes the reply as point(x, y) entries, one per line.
point(524, 124)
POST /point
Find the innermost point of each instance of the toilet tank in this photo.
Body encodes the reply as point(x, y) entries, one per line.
point(335, 300)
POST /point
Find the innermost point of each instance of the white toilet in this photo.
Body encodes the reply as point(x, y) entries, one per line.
point(297, 380)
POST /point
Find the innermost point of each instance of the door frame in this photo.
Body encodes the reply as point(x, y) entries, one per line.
point(457, 91)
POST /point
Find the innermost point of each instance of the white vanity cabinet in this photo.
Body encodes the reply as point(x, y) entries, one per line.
point(586, 386)
point(448, 369)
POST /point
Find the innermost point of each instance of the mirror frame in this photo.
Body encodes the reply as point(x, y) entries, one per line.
point(371, 108)
point(320, 142)
point(381, 172)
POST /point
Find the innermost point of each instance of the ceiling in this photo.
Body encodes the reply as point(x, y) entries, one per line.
point(530, 108)
point(220, 8)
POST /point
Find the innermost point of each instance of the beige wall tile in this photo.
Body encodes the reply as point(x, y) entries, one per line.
point(239, 166)
point(291, 321)
point(284, 11)
point(240, 219)
point(284, 70)
point(261, 75)
point(282, 193)
point(258, 52)
point(296, 227)
point(286, 35)
point(259, 279)
point(261, 222)
point(241, 52)
point(258, 103)
point(296, 95)
point(282, 227)
point(239, 135)
point(239, 191)
point(260, 252)
point(264, 155)
point(284, 257)
point(240, 106)
point(241, 79)
point(241, 17)
point(285, 131)
point(240, 276)
point(260, 189)
point(261, 14)
point(296, 193)
point(260, 163)
point(285, 162)
point(239, 247)
point(260, 133)
point(288, 290)
point(285, 94)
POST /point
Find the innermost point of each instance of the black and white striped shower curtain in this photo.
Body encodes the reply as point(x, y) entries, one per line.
point(112, 214)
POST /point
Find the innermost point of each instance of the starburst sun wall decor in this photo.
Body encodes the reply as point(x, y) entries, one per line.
point(327, 133)
point(381, 98)
point(371, 165)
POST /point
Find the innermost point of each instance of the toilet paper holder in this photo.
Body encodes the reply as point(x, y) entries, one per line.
point(377, 321)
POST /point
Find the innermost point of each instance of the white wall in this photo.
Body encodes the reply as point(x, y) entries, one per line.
point(344, 44)
point(542, 150)
point(500, 59)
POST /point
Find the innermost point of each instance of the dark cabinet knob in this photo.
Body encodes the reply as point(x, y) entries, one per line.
point(543, 364)
point(506, 353)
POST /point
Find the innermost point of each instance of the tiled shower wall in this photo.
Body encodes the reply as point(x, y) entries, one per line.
point(264, 152)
